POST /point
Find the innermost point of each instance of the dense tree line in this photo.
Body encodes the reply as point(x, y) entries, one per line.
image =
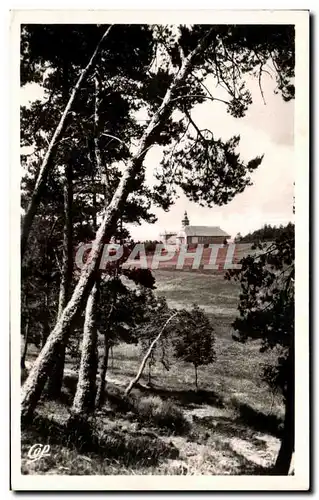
point(266, 233)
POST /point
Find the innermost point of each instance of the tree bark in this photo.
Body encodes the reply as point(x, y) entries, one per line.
point(112, 356)
point(196, 381)
point(287, 446)
point(100, 395)
point(147, 355)
point(26, 341)
point(149, 373)
point(47, 161)
point(34, 384)
point(45, 321)
point(104, 363)
point(45, 332)
point(67, 260)
point(56, 378)
point(84, 399)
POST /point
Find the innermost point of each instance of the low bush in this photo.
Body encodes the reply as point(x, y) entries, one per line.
point(164, 414)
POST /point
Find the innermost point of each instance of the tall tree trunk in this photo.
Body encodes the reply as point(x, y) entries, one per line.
point(105, 359)
point(146, 357)
point(84, 399)
point(100, 395)
point(287, 446)
point(45, 321)
point(26, 341)
point(45, 332)
point(48, 159)
point(33, 386)
point(149, 373)
point(196, 378)
point(102, 173)
point(112, 356)
point(56, 378)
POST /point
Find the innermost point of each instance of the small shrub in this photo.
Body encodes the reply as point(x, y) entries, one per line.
point(164, 414)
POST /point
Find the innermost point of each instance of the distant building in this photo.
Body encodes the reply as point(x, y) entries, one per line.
point(192, 235)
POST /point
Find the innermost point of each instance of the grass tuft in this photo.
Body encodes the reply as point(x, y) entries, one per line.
point(82, 434)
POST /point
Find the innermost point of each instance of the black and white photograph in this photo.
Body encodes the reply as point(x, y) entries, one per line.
point(159, 325)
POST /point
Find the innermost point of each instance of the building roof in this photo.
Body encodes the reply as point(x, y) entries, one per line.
point(203, 231)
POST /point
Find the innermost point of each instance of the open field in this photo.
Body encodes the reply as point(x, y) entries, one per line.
point(173, 260)
point(230, 426)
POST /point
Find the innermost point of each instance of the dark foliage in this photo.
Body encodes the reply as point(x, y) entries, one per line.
point(266, 233)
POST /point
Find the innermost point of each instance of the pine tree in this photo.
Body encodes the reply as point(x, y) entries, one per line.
point(208, 170)
point(84, 168)
point(267, 313)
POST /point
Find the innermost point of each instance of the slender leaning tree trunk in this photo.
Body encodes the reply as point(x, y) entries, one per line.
point(48, 159)
point(146, 357)
point(42, 367)
point(56, 378)
point(84, 400)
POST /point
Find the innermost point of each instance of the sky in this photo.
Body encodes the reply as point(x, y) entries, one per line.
point(267, 129)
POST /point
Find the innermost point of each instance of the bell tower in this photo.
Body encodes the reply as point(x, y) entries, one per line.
point(185, 221)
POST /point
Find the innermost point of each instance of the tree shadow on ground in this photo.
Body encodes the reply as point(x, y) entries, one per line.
point(225, 426)
point(243, 426)
point(240, 464)
point(250, 468)
point(184, 397)
point(115, 444)
point(259, 421)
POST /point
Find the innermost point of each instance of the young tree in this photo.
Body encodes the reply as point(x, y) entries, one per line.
point(161, 311)
point(207, 169)
point(267, 313)
point(156, 312)
point(194, 339)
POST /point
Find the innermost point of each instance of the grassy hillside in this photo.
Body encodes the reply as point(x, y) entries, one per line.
point(230, 426)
